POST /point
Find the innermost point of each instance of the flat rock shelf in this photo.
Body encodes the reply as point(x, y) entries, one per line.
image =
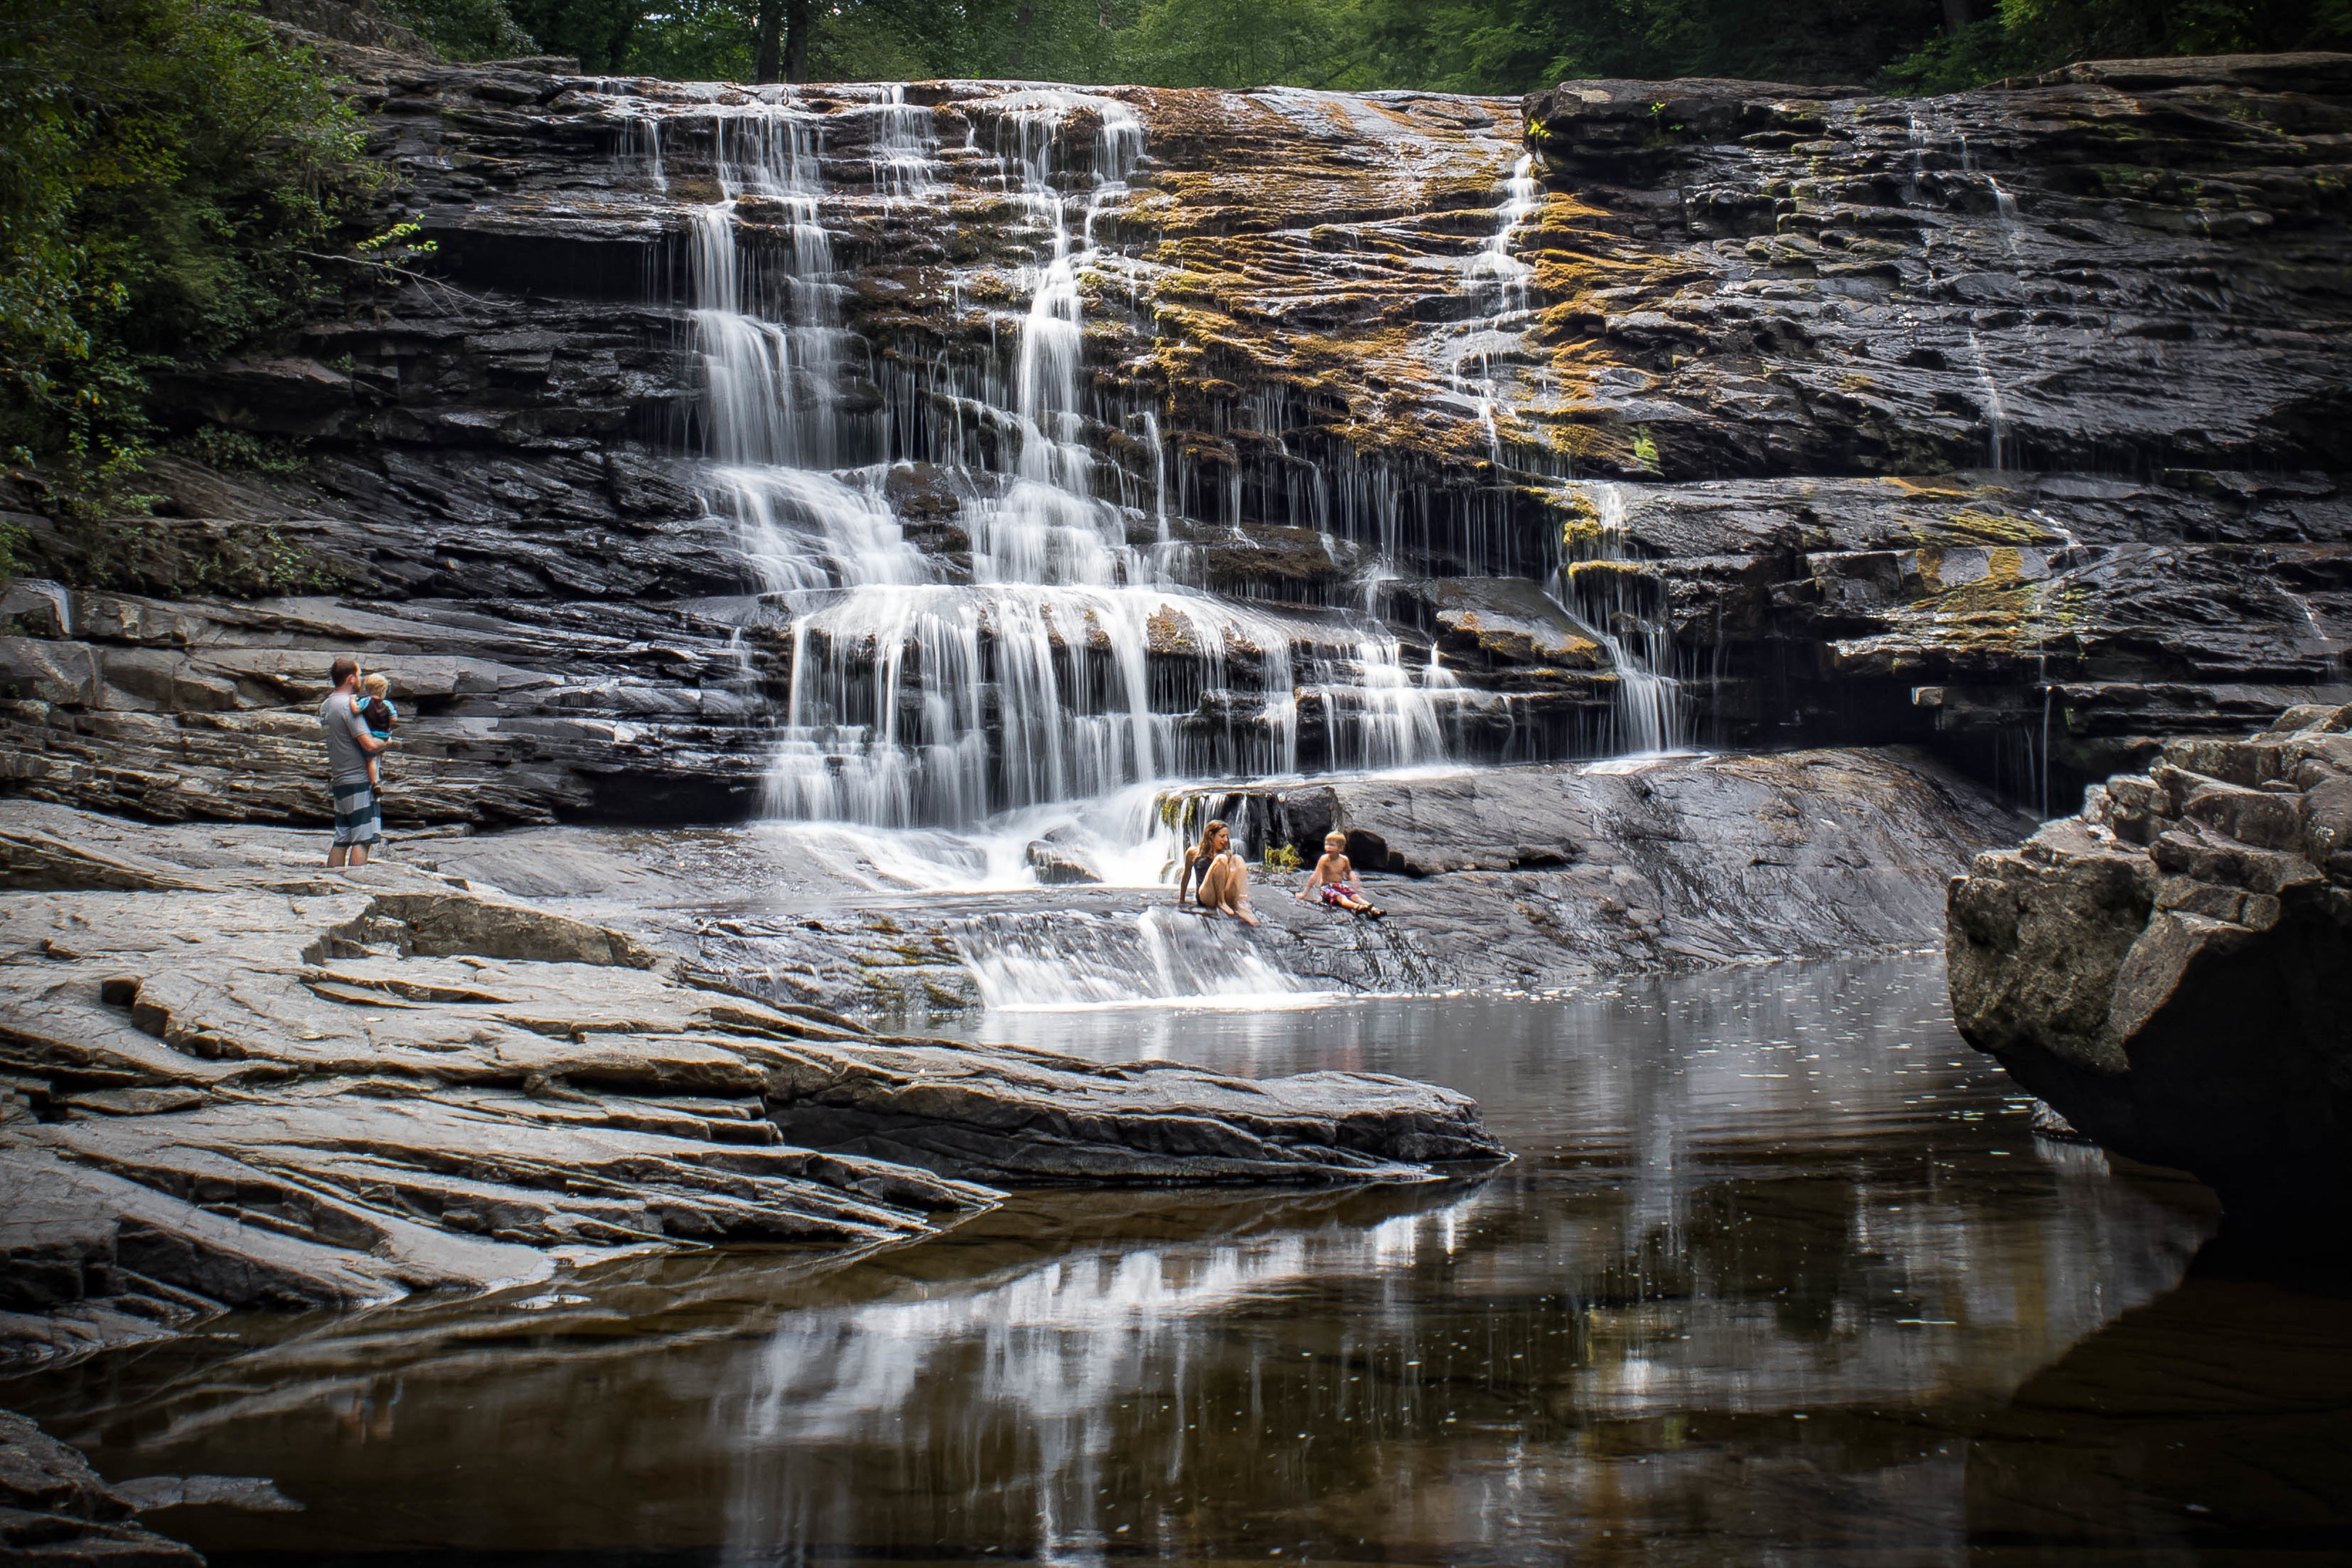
point(235, 1081)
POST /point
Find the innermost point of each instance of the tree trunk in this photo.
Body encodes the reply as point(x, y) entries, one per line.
point(764, 56)
point(1956, 16)
point(1019, 56)
point(800, 21)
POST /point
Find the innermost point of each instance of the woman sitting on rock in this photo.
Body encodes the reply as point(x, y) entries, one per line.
point(1224, 879)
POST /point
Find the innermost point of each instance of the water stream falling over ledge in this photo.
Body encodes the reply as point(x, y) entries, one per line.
point(1625, 606)
point(1015, 658)
point(1073, 650)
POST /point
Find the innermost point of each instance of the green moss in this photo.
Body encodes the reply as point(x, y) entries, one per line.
point(172, 559)
point(218, 447)
point(1999, 528)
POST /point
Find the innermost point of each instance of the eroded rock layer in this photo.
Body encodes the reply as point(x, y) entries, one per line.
point(230, 1081)
point(2172, 969)
point(2010, 422)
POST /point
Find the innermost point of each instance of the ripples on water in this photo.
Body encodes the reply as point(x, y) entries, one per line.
point(1779, 1276)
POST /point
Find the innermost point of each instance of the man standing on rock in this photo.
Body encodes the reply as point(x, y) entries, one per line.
point(348, 746)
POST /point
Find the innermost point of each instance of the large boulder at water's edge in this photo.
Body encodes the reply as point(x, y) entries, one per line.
point(2173, 968)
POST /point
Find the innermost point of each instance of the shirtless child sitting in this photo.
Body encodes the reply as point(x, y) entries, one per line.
point(1333, 880)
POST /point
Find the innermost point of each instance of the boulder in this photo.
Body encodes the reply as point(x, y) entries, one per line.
point(2172, 968)
point(54, 1508)
point(1057, 865)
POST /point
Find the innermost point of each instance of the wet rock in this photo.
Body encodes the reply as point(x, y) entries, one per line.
point(253, 1084)
point(2169, 969)
point(1496, 620)
point(1058, 866)
point(55, 1508)
point(1751, 304)
point(1029, 1116)
point(1524, 878)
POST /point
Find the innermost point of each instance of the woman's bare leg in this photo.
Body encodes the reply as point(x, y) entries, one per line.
point(1213, 877)
point(1233, 890)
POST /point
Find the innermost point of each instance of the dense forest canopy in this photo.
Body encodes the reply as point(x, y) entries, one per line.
point(1463, 46)
point(177, 177)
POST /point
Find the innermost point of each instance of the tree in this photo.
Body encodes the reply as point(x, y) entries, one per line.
point(792, 19)
point(597, 33)
point(464, 29)
point(167, 168)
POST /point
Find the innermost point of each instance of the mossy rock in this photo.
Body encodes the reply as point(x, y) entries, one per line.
point(171, 558)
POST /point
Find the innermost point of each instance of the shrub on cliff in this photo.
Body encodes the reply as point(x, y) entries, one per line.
point(164, 164)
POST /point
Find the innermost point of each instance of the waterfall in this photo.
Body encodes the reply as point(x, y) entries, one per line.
point(1065, 659)
point(1031, 962)
point(1996, 411)
point(1502, 279)
point(904, 159)
point(1625, 606)
point(770, 381)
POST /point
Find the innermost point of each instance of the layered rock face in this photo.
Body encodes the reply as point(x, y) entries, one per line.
point(233, 1081)
point(1330, 430)
point(2022, 407)
point(55, 1508)
point(2172, 968)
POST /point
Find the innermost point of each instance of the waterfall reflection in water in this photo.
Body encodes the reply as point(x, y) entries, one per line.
point(1776, 1248)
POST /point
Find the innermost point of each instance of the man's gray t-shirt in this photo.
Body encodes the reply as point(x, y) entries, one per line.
point(346, 764)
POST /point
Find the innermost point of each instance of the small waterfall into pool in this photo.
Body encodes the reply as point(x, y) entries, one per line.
point(1626, 606)
point(1022, 962)
point(998, 580)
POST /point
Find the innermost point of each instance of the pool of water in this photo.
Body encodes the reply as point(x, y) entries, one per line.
point(1780, 1274)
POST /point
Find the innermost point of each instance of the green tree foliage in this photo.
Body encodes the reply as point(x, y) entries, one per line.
point(893, 40)
point(599, 33)
point(165, 168)
point(2022, 37)
point(1466, 45)
point(1245, 43)
point(464, 29)
point(1520, 44)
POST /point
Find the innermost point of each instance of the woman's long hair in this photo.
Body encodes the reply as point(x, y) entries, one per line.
point(1215, 826)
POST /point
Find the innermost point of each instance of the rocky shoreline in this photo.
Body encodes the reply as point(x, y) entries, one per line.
point(234, 1079)
point(2172, 968)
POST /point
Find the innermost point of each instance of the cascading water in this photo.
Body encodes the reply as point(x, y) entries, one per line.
point(920, 698)
point(1029, 683)
point(1502, 278)
point(1624, 608)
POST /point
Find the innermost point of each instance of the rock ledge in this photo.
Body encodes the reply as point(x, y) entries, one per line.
point(228, 1079)
point(2172, 969)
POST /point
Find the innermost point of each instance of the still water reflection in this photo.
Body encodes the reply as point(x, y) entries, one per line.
point(1775, 1259)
